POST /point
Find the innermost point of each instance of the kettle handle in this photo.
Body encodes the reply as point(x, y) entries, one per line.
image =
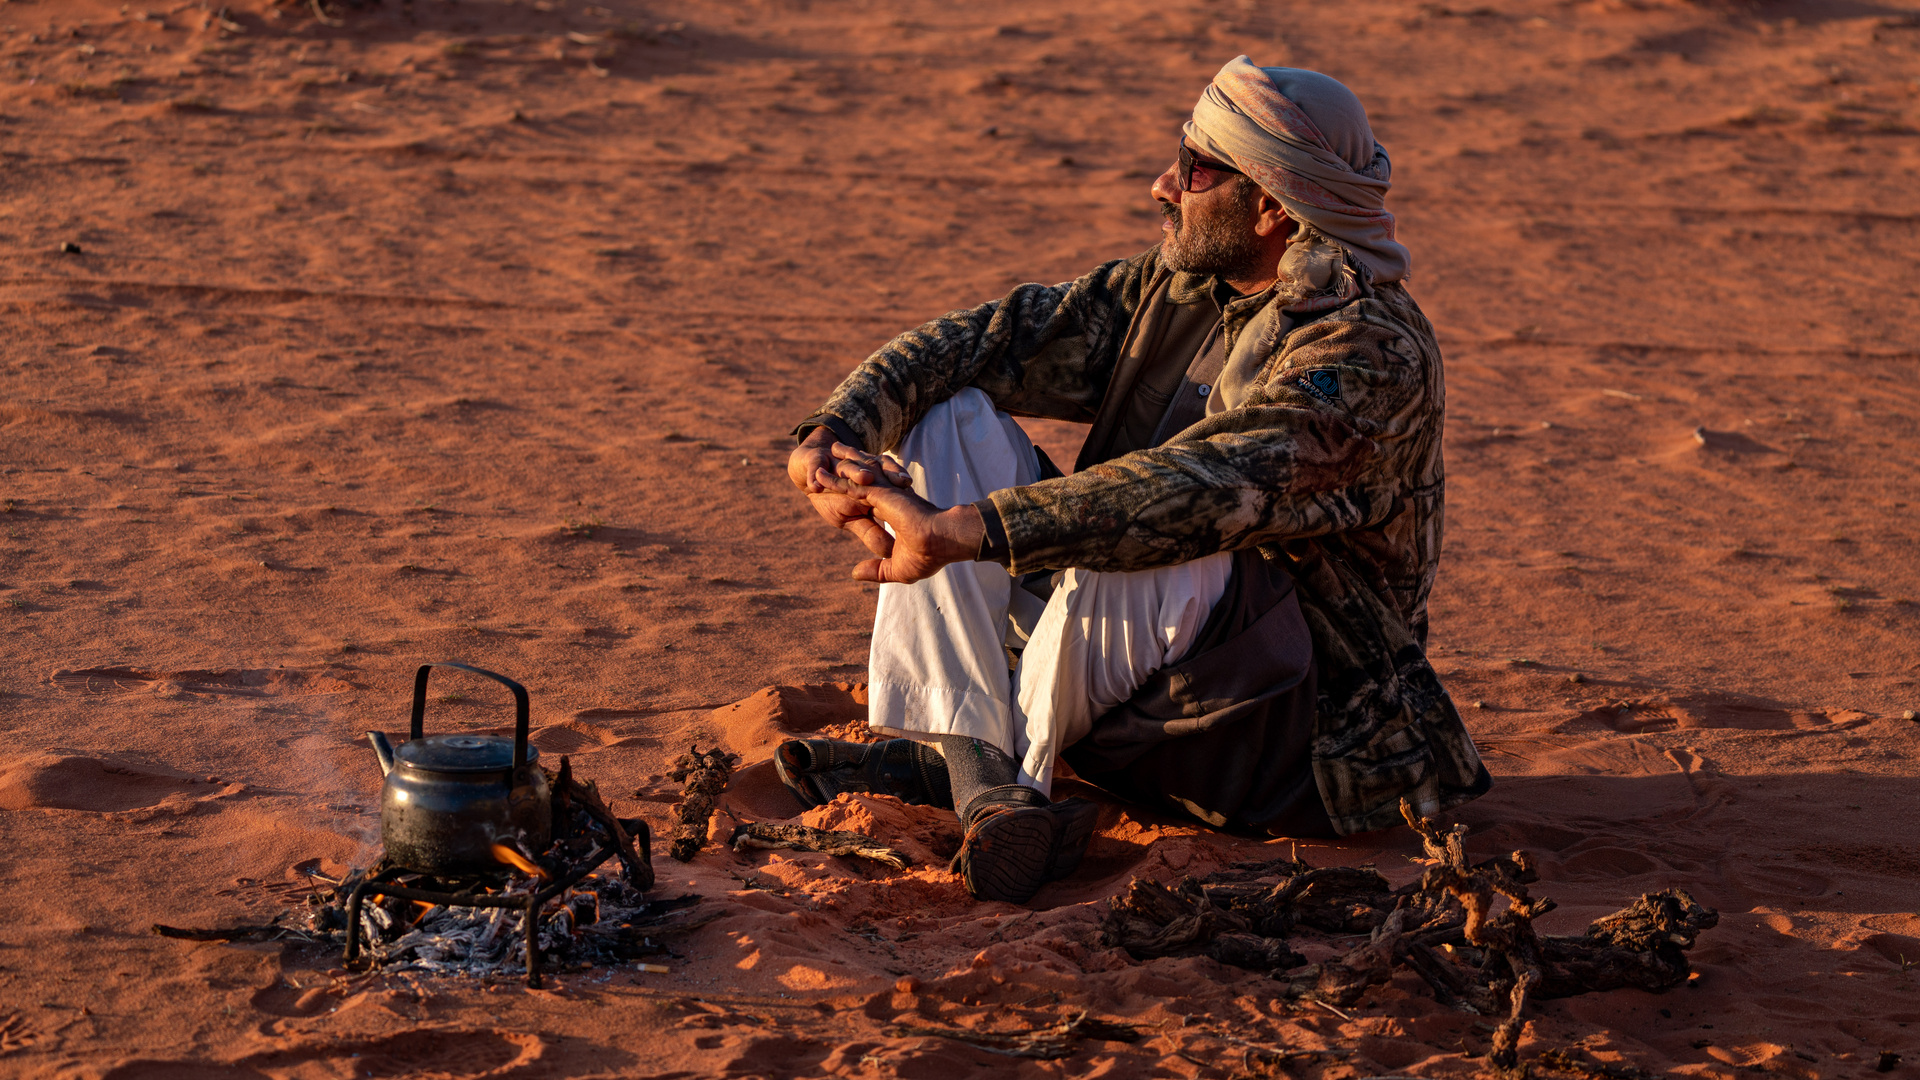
point(519, 705)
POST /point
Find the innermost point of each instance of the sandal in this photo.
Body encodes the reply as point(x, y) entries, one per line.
point(1012, 849)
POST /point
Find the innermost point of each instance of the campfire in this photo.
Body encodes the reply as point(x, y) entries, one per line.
point(563, 907)
point(490, 864)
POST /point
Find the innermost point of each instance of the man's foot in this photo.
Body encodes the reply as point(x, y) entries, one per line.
point(1011, 849)
point(816, 770)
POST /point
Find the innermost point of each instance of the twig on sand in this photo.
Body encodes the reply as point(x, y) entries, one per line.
point(808, 838)
point(1334, 1009)
point(1046, 1044)
point(235, 933)
point(706, 776)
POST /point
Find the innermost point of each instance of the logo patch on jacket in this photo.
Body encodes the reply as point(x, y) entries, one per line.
point(1323, 385)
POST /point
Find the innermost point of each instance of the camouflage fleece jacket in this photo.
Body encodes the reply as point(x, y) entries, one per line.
point(1321, 447)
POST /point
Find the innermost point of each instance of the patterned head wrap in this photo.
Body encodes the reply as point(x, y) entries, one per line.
point(1304, 138)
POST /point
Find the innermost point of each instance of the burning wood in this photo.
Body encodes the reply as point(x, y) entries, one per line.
point(632, 837)
point(706, 777)
point(563, 910)
point(510, 857)
point(480, 924)
point(1443, 926)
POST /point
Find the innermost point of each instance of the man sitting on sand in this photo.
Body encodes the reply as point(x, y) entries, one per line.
point(1223, 611)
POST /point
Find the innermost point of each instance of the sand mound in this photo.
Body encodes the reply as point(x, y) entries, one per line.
point(755, 793)
point(927, 835)
point(754, 726)
point(64, 782)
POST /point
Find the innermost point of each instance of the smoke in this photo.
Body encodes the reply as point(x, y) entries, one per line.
point(339, 779)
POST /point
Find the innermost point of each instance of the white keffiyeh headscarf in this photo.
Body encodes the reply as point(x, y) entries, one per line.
point(1304, 138)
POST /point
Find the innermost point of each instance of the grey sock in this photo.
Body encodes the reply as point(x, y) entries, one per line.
point(975, 768)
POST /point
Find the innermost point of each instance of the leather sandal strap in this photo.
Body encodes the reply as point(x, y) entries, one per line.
point(1007, 796)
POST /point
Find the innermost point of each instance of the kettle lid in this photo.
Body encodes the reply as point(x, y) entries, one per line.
point(459, 754)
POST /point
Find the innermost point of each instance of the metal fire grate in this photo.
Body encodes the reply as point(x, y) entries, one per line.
point(476, 892)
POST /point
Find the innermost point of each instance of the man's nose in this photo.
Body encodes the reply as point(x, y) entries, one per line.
point(1166, 186)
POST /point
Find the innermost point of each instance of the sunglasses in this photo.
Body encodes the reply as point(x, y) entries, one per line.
point(1188, 160)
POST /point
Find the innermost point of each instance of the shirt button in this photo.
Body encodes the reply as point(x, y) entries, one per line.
point(1204, 389)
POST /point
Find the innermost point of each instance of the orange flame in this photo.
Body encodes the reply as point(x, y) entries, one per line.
point(518, 861)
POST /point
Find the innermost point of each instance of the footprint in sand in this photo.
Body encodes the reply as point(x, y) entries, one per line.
point(413, 1054)
point(432, 1052)
point(575, 737)
point(259, 682)
point(16, 1032)
point(72, 782)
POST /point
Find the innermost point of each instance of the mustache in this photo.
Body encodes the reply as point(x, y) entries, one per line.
point(1171, 211)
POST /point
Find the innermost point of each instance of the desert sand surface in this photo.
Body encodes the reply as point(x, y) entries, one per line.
point(476, 330)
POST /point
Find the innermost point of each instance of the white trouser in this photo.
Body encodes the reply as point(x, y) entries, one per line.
point(939, 662)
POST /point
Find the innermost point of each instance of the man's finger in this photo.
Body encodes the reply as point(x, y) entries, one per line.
point(825, 481)
point(887, 571)
point(858, 473)
point(873, 462)
point(878, 540)
point(872, 467)
point(837, 509)
point(882, 572)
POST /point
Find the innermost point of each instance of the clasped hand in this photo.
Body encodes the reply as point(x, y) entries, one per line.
point(868, 495)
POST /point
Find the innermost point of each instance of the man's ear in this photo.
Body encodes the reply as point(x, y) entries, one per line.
point(1270, 217)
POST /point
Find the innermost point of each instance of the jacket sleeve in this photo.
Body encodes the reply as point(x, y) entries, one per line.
point(1042, 350)
point(1321, 444)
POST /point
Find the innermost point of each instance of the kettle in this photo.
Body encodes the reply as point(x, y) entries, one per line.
point(449, 799)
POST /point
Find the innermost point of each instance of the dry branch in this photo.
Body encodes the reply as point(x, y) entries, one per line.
point(631, 838)
point(1465, 928)
point(235, 933)
point(1046, 1044)
point(808, 838)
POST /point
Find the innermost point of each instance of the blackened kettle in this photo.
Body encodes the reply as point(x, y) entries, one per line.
point(449, 799)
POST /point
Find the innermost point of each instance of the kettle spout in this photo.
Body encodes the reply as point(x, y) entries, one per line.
point(382, 749)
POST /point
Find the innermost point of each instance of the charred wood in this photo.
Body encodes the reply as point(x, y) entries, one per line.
point(630, 838)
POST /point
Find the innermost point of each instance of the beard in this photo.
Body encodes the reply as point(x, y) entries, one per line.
point(1220, 241)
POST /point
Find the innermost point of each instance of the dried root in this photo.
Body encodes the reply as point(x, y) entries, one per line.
point(1466, 929)
point(254, 932)
point(1046, 1044)
point(807, 838)
point(706, 776)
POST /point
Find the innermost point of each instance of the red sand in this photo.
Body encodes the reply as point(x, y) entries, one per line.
point(479, 336)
